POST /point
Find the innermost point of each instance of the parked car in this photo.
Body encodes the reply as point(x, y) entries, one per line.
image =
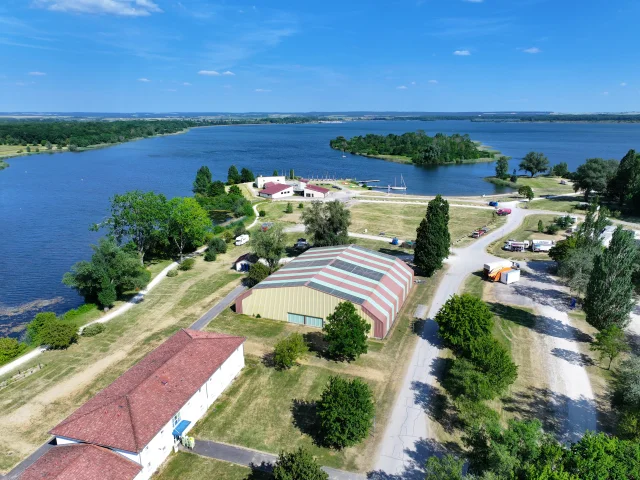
point(503, 211)
point(302, 244)
point(241, 240)
point(493, 204)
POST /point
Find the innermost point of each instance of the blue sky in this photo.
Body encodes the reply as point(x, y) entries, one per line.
point(295, 56)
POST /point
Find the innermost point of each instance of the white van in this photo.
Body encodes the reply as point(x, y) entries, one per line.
point(241, 240)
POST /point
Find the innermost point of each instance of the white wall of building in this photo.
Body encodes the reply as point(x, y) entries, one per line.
point(260, 181)
point(160, 446)
point(313, 194)
point(284, 193)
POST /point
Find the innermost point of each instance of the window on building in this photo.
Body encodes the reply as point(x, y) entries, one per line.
point(176, 420)
point(305, 320)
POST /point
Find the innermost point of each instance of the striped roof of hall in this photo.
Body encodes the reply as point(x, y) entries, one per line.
point(378, 282)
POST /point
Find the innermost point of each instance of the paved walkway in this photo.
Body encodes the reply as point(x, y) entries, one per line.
point(214, 311)
point(256, 459)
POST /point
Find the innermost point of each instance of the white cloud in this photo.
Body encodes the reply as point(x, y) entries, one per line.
point(125, 8)
point(37, 74)
point(262, 90)
point(228, 73)
point(209, 73)
point(144, 80)
point(532, 50)
point(433, 81)
point(413, 83)
point(462, 53)
point(24, 84)
point(402, 87)
point(186, 84)
point(623, 84)
point(605, 93)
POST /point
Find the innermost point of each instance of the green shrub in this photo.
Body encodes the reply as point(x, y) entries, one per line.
point(258, 315)
point(262, 213)
point(36, 325)
point(257, 272)
point(288, 350)
point(239, 230)
point(187, 264)
point(81, 310)
point(93, 329)
point(227, 236)
point(218, 229)
point(552, 229)
point(493, 359)
point(218, 245)
point(58, 335)
point(10, 348)
point(301, 205)
point(289, 208)
point(172, 273)
point(298, 465)
point(346, 412)
point(465, 380)
point(210, 255)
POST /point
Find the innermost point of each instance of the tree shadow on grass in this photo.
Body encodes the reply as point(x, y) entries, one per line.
point(305, 419)
point(567, 418)
point(543, 325)
point(572, 357)
point(316, 343)
point(261, 471)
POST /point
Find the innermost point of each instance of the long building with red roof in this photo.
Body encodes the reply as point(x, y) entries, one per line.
point(139, 416)
point(309, 288)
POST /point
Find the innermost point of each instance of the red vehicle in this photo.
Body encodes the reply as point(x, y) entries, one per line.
point(503, 211)
point(478, 233)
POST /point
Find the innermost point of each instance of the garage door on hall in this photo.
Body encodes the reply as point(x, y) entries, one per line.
point(305, 320)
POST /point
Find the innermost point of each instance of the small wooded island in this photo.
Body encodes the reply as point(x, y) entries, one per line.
point(416, 147)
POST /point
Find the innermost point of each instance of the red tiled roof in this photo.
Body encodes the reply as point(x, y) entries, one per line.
point(272, 188)
point(81, 462)
point(132, 410)
point(316, 188)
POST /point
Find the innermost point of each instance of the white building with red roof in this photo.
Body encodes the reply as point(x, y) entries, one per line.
point(276, 190)
point(314, 191)
point(139, 417)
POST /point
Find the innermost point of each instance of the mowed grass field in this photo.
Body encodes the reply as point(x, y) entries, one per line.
point(275, 211)
point(402, 220)
point(541, 185)
point(31, 406)
point(528, 230)
point(189, 466)
point(271, 410)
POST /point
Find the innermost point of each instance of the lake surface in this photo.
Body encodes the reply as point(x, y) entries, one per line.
point(48, 202)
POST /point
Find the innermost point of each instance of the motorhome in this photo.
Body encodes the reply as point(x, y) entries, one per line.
point(241, 240)
point(542, 245)
point(515, 246)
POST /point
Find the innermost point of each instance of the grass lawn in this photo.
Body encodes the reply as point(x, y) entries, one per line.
point(275, 211)
point(567, 204)
point(541, 185)
point(526, 231)
point(31, 406)
point(270, 410)
point(189, 466)
point(402, 220)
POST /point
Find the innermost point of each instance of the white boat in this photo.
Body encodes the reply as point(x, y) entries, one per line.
point(402, 186)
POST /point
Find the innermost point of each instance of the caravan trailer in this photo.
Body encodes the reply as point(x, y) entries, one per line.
point(542, 245)
point(514, 246)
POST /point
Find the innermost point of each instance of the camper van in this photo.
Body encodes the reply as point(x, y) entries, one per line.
point(241, 240)
point(542, 245)
point(515, 246)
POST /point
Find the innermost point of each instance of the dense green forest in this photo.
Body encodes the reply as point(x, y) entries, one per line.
point(82, 134)
point(421, 148)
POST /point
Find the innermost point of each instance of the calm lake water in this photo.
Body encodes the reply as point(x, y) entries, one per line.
point(48, 202)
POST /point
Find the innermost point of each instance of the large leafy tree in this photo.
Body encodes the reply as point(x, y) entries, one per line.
point(462, 319)
point(202, 183)
point(270, 245)
point(327, 223)
point(610, 343)
point(502, 167)
point(346, 332)
point(447, 467)
point(246, 175)
point(526, 191)
point(593, 176)
point(110, 267)
point(560, 170)
point(626, 398)
point(609, 297)
point(233, 176)
point(345, 410)
point(432, 237)
point(138, 217)
point(187, 223)
point(298, 465)
point(10, 348)
point(534, 162)
point(626, 181)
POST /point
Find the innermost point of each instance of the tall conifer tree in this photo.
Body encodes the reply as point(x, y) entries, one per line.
point(432, 237)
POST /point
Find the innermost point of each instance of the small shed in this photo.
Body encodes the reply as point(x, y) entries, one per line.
point(510, 276)
point(243, 263)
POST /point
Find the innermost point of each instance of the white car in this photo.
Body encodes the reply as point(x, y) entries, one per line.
point(241, 240)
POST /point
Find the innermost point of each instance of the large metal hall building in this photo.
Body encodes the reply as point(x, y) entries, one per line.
point(309, 288)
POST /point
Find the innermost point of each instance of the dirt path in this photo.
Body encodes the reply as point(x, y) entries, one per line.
point(557, 344)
